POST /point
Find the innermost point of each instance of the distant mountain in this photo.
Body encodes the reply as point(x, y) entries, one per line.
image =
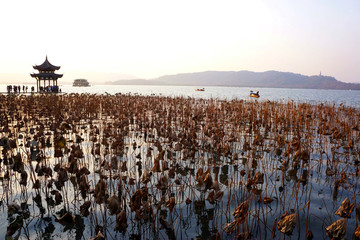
point(272, 79)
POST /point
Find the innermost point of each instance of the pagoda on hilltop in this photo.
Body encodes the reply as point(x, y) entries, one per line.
point(46, 79)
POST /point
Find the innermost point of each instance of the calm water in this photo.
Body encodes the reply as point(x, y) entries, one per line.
point(347, 97)
point(196, 222)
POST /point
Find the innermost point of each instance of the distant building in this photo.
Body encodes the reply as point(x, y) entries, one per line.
point(81, 83)
point(46, 79)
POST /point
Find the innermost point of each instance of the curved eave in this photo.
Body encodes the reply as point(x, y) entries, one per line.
point(46, 75)
point(46, 68)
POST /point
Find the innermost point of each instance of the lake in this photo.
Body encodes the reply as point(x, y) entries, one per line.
point(347, 97)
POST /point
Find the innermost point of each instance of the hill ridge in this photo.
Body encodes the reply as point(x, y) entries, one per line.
point(245, 78)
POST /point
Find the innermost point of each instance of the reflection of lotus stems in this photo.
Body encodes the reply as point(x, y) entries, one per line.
point(307, 212)
point(236, 140)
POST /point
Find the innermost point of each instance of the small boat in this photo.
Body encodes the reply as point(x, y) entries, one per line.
point(200, 89)
point(255, 95)
point(81, 83)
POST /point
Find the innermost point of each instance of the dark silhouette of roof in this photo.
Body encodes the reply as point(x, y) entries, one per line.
point(46, 66)
point(46, 75)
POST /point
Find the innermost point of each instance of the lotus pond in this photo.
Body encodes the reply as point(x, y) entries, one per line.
point(122, 166)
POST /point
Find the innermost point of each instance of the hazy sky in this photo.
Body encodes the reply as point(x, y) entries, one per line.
point(150, 38)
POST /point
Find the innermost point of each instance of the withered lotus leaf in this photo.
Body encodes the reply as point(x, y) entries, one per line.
point(13, 208)
point(204, 179)
point(171, 173)
point(121, 221)
point(84, 208)
point(14, 226)
point(23, 178)
point(100, 191)
point(357, 232)
point(337, 230)
point(37, 184)
point(131, 181)
point(83, 171)
point(163, 183)
point(345, 208)
point(258, 178)
point(60, 142)
point(218, 195)
point(83, 186)
point(156, 167)
point(114, 163)
point(164, 223)
point(123, 167)
point(58, 152)
point(145, 177)
point(135, 200)
point(199, 175)
point(77, 151)
point(241, 212)
point(18, 163)
point(58, 198)
point(66, 219)
point(208, 180)
point(230, 227)
point(113, 205)
point(287, 224)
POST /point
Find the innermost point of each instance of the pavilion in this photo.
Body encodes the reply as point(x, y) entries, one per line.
point(46, 79)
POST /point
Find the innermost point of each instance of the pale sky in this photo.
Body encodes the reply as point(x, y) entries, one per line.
point(113, 39)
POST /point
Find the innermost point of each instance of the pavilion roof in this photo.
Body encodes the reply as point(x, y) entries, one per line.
point(46, 66)
point(46, 75)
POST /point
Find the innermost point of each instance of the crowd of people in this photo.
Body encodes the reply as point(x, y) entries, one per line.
point(50, 89)
point(24, 89)
point(19, 89)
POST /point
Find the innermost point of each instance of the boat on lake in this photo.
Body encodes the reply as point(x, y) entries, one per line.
point(254, 94)
point(81, 83)
point(200, 89)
